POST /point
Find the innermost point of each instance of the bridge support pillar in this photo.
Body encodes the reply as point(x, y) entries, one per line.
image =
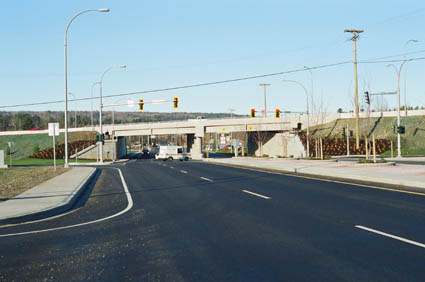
point(196, 152)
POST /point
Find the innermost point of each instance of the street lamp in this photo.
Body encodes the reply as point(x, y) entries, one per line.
point(101, 106)
point(308, 116)
point(312, 89)
point(66, 77)
point(405, 69)
point(75, 111)
point(91, 114)
point(398, 71)
point(265, 97)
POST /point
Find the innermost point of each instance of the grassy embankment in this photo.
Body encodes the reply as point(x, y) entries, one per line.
point(412, 142)
point(25, 145)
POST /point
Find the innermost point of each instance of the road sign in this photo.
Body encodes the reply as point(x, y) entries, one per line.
point(53, 129)
point(9, 144)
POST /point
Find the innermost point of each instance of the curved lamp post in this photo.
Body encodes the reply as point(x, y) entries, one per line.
point(405, 69)
point(308, 116)
point(66, 77)
point(101, 105)
point(91, 113)
point(75, 111)
point(398, 71)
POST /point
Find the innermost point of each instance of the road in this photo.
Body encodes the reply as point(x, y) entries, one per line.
point(191, 221)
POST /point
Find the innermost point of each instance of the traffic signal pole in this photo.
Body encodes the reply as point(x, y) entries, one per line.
point(347, 133)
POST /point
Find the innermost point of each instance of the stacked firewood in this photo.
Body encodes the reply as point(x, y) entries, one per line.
point(60, 150)
point(338, 146)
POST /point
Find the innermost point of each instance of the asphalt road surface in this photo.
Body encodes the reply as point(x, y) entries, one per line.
point(191, 221)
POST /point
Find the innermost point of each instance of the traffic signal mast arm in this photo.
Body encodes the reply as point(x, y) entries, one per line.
point(135, 103)
point(383, 93)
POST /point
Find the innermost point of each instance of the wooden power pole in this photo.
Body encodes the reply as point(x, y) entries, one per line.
point(354, 38)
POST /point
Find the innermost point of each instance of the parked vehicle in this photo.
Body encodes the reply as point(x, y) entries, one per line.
point(172, 153)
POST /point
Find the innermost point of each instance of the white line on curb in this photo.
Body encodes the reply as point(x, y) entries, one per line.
point(183, 171)
point(391, 236)
point(129, 206)
point(207, 179)
point(255, 194)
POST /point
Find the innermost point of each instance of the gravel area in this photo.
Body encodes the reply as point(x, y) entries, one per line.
point(15, 180)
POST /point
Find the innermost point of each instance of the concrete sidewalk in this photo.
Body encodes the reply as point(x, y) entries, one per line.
point(400, 174)
point(49, 198)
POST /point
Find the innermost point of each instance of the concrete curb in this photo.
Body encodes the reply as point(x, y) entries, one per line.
point(325, 172)
point(63, 206)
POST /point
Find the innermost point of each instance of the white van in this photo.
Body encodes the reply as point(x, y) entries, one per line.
point(172, 153)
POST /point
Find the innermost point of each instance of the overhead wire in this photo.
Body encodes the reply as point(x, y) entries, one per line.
point(373, 61)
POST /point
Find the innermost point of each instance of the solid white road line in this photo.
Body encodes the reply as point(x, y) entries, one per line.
point(171, 166)
point(183, 171)
point(129, 206)
point(391, 236)
point(255, 194)
point(207, 179)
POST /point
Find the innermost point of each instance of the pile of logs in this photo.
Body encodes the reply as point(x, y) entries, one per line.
point(338, 146)
point(60, 150)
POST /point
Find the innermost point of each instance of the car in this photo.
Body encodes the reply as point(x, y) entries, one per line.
point(145, 154)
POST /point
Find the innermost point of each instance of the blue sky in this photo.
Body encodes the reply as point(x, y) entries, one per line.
point(174, 43)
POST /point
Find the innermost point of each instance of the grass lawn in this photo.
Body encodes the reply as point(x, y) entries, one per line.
point(15, 180)
point(33, 161)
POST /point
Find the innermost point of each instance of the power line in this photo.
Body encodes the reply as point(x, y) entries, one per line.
point(181, 87)
point(215, 82)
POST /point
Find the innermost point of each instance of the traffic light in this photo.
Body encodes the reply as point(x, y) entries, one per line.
point(299, 126)
point(343, 132)
point(351, 133)
point(100, 137)
point(175, 102)
point(253, 113)
point(366, 96)
point(401, 129)
point(277, 113)
point(141, 105)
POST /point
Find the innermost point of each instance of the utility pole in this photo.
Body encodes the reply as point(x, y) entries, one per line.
point(355, 33)
point(265, 99)
point(231, 112)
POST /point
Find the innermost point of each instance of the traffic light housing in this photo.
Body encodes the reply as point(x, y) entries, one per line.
point(367, 98)
point(100, 137)
point(141, 105)
point(253, 113)
point(299, 126)
point(277, 113)
point(343, 132)
point(175, 102)
point(401, 129)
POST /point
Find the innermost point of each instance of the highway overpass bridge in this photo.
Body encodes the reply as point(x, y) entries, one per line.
point(195, 129)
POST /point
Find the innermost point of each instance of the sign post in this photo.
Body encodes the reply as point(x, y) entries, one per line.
point(54, 131)
point(9, 144)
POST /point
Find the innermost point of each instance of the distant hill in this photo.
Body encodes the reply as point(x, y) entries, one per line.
point(24, 120)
